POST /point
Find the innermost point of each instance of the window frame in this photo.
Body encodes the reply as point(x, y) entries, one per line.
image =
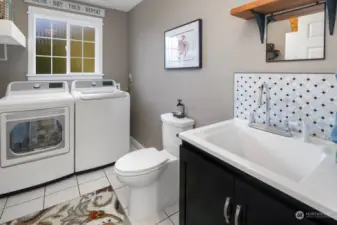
point(71, 19)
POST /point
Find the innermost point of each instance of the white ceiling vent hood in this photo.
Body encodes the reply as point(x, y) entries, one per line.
point(10, 34)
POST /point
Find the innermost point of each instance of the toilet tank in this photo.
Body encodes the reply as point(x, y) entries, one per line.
point(171, 126)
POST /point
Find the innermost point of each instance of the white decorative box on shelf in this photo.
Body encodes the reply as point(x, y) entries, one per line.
point(10, 34)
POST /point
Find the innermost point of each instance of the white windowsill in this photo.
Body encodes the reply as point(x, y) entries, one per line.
point(35, 77)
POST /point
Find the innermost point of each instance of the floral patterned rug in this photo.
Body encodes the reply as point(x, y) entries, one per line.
point(97, 208)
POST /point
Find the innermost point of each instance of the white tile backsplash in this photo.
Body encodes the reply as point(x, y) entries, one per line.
point(294, 97)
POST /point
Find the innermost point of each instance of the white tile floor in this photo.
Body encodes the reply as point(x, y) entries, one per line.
point(25, 203)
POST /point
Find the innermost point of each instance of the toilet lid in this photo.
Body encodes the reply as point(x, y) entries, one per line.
point(141, 161)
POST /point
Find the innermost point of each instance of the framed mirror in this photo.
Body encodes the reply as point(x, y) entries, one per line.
point(296, 35)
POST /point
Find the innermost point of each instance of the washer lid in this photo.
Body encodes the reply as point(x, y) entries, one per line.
point(98, 96)
point(141, 161)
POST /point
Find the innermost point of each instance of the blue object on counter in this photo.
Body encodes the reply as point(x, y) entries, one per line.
point(334, 131)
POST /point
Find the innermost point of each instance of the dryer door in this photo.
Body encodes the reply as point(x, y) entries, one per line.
point(33, 135)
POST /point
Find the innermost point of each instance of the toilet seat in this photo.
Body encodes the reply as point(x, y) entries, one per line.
point(140, 162)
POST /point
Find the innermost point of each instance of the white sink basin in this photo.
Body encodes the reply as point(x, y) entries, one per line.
point(286, 157)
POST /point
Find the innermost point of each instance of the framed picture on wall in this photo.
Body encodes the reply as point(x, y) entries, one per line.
point(183, 46)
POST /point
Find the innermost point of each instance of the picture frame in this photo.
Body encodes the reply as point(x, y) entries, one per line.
point(183, 46)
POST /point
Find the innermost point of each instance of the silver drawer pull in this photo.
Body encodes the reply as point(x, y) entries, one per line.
point(227, 217)
point(237, 215)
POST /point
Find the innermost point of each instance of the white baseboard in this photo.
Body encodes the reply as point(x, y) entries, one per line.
point(136, 144)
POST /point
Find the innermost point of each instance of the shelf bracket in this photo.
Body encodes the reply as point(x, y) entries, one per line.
point(261, 22)
point(331, 6)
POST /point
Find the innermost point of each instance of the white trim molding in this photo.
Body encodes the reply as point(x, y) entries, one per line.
point(70, 19)
point(65, 77)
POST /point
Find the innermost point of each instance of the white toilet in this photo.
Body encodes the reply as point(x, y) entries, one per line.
point(152, 175)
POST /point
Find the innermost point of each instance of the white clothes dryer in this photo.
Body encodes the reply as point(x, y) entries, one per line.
point(37, 134)
point(102, 123)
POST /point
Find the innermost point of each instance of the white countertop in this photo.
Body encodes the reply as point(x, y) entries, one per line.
point(318, 190)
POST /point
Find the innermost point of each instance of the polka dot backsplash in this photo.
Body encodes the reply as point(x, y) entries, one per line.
point(293, 97)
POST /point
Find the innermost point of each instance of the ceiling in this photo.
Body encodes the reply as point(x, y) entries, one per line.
point(122, 5)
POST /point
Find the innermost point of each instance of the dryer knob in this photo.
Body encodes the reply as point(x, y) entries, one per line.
point(36, 86)
point(93, 84)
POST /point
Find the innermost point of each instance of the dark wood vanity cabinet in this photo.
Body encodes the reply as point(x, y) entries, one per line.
point(206, 190)
point(214, 193)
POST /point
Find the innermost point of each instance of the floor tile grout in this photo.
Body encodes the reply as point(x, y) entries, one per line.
point(64, 202)
point(171, 214)
point(78, 186)
point(5, 203)
point(3, 210)
point(167, 216)
point(109, 181)
point(174, 213)
point(44, 196)
point(107, 178)
point(23, 202)
point(60, 190)
point(45, 187)
point(164, 218)
point(118, 188)
point(91, 180)
point(171, 221)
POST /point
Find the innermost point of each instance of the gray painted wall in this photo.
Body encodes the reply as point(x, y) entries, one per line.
point(115, 48)
point(230, 45)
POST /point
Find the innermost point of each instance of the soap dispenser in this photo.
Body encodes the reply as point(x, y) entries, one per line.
point(180, 113)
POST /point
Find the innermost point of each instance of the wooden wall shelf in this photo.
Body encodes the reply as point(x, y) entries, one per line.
point(267, 7)
point(258, 10)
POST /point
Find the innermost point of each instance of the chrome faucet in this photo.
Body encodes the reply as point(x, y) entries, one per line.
point(267, 126)
point(260, 101)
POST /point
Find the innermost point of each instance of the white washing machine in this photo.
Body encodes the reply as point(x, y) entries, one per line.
point(37, 134)
point(102, 123)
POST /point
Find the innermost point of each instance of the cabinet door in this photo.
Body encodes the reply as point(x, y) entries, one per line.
point(255, 207)
point(206, 191)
